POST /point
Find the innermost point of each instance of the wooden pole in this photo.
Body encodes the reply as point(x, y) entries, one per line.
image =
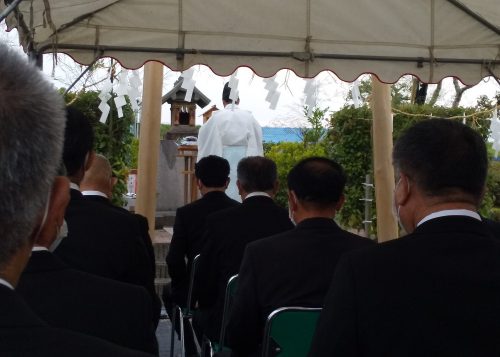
point(149, 143)
point(387, 225)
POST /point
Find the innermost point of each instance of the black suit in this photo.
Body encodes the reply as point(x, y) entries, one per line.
point(435, 292)
point(106, 242)
point(67, 298)
point(227, 234)
point(23, 334)
point(187, 240)
point(294, 268)
point(143, 229)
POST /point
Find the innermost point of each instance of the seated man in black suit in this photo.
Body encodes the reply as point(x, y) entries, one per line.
point(63, 297)
point(212, 178)
point(227, 233)
point(97, 186)
point(436, 291)
point(101, 240)
point(293, 268)
point(31, 136)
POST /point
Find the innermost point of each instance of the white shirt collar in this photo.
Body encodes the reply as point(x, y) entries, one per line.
point(6, 283)
point(450, 212)
point(74, 186)
point(39, 249)
point(257, 193)
point(94, 193)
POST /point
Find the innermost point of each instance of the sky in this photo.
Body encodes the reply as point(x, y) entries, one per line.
point(331, 92)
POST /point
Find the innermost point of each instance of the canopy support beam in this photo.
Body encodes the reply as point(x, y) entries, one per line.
point(149, 143)
point(387, 226)
point(300, 56)
point(475, 16)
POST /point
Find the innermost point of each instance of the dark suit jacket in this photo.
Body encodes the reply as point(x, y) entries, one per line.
point(435, 292)
point(67, 298)
point(23, 334)
point(143, 229)
point(227, 234)
point(294, 268)
point(105, 242)
point(187, 240)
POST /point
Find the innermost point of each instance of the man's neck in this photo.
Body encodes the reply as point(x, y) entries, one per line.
point(205, 190)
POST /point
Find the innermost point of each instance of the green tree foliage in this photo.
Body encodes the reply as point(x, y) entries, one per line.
point(350, 143)
point(286, 155)
point(317, 121)
point(112, 139)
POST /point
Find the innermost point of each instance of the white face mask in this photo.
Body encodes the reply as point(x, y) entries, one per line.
point(397, 208)
point(62, 233)
point(290, 215)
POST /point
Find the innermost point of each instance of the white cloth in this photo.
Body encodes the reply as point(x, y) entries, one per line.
point(233, 134)
point(450, 212)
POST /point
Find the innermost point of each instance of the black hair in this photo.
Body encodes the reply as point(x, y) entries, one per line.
point(226, 92)
point(78, 140)
point(317, 180)
point(212, 170)
point(257, 173)
point(443, 156)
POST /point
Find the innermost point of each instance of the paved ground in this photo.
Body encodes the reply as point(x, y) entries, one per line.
point(163, 335)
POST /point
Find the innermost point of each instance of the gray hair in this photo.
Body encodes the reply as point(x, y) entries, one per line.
point(32, 120)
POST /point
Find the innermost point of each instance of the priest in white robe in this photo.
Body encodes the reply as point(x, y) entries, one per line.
point(232, 133)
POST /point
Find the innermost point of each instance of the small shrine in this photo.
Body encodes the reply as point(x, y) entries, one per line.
point(183, 113)
point(178, 151)
point(208, 114)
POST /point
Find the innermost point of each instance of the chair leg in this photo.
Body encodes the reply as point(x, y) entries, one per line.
point(172, 335)
point(181, 329)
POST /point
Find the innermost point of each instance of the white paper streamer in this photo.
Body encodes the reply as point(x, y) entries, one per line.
point(121, 92)
point(273, 95)
point(104, 96)
point(356, 96)
point(188, 84)
point(133, 91)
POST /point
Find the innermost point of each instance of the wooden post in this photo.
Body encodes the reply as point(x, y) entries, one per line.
point(387, 226)
point(149, 143)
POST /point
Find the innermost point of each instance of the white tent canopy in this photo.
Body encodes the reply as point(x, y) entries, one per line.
point(431, 39)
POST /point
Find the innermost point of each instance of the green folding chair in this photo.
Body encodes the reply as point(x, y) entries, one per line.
point(289, 331)
point(184, 314)
point(213, 347)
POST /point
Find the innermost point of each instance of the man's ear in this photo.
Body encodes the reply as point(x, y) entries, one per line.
point(292, 201)
point(88, 160)
point(402, 190)
point(241, 191)
point(276, 187)
point(58, 201)
point(113, 181)
point(340, 203)
point(228, 180)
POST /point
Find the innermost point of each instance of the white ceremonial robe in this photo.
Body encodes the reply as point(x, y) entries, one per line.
point(233, 134)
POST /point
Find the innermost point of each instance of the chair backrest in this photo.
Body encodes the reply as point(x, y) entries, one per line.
point(232, 283)
point(289, 331)
point(191, 284)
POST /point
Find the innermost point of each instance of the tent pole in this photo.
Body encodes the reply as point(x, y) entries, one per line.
point(149, 143)
point(387, 227)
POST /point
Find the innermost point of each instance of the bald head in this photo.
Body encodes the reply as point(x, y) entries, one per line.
point(99, 176)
